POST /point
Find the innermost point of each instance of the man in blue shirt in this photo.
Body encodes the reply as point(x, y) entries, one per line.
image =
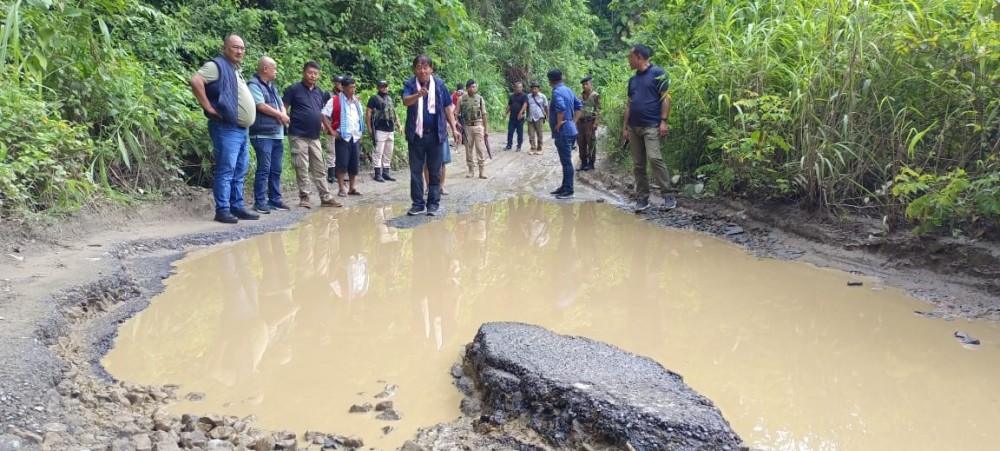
point(564, 112)
point(429, 115)
point(646, 113)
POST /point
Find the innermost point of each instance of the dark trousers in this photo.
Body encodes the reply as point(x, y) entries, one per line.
point(348, 156)
point(425, 151)
point(515, 125)
point(587, 140)
point(564, 145)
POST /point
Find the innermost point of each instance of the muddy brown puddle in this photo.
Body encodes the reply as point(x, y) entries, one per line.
point(295, 327)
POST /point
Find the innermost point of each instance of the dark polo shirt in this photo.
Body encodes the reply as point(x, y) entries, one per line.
point(306, 106)
point(645, 92)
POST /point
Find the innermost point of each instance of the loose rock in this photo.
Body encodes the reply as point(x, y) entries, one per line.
point(361, 408)
point(384, 405)
point(966, 339)
point(390, 415)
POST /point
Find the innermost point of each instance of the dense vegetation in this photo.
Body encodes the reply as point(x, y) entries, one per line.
point(887, 108)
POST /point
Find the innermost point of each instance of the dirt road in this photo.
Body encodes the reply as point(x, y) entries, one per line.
point(66, 285)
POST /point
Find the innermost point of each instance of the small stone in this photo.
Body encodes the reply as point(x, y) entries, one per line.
point(854, 283)
point(387, 429)
point(390, 415)
point(361, 408)
point(411, 446)
point(384, 405)
point(10, 442)
point(390, 390)
point(471, 406)
point(122, 444)
point(195, 396)
point(966, 339)
point(166, 446)
point(142, 442)
point(456, 371)
point(52, 438)
point(264, 444)
point(219, 444)
point(222, 433)
point(354, 442)
point(194, 439)
point(286, 445)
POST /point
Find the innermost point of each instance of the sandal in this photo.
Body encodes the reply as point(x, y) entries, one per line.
point(354, 192)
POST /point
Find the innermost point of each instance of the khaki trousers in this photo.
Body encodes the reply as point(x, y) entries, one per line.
point(535, 133)
point(307, 157)
point(331, 151)
point(587, 140)
point(477, 143)
point(382, 154)
point(644, 142)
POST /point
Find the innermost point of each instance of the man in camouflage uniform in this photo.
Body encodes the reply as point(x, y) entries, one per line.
point(472, 110)
point(587, 140)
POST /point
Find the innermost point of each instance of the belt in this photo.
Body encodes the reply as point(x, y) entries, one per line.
point(588, 119)
point(475, 122)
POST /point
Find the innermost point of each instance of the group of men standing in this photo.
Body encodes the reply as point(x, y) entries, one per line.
point(242, 113)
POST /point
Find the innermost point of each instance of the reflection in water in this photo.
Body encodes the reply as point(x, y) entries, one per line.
point(297, 326)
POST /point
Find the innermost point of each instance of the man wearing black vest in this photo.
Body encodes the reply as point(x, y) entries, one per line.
point(267, 135)
point(229, 107)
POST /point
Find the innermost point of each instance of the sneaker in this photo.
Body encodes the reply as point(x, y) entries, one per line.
point(226, 217)
point(432, 211)
point(669, 202)
point(262, 209)
point(331, 202)
point(304, 202)
point(243, 214)
point(413, 211)
point(279, 205)
point(557, 191)
point(642, 205)
point(564, 195)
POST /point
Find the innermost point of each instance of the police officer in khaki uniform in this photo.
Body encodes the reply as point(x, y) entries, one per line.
point(472, 110)
point(587, 140)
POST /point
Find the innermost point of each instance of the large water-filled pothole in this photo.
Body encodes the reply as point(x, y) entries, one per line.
point(296, 327)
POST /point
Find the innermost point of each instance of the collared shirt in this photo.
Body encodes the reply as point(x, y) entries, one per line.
point(537, 104)
point(563, 101)
point(645, 92)
point(306, 106)
point(443, 101)
point(258, 98)
point(353, 106)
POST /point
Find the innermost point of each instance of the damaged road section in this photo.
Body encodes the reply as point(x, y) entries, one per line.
point(578, 393)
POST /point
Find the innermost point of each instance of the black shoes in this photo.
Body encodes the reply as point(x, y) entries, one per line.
point(280, 206)
point(413, 211)
point(642, 205)
point(557, 191)
point(226, 217)
point(432, 211)
point(564, 195)
point(245, 215)
point(386, 176)
point(331, 175)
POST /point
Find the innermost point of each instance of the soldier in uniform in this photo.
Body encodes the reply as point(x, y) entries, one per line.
point(587, 140)
point(472, 109)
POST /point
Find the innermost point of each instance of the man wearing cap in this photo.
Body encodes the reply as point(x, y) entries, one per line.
point(305, 100)
point(331, 151)
point(382, 121)
point(472, 110)
point(344, 120)
point(538, 107)
point(587, 139)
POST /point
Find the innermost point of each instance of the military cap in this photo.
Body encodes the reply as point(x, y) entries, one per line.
point(348, 81)
point(470, 83)
point(338, 79)
point(586, 79)
point(382, 83)
point(534, 84)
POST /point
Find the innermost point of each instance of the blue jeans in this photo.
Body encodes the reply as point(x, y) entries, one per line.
point(231, 153)
point(428, 151)
point(564, 145)
point(267, 179)
point(515, 125)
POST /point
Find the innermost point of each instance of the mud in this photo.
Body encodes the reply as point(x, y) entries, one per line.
point(66, 285)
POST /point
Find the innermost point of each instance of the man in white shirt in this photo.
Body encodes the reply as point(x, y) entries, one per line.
point(343, 118)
